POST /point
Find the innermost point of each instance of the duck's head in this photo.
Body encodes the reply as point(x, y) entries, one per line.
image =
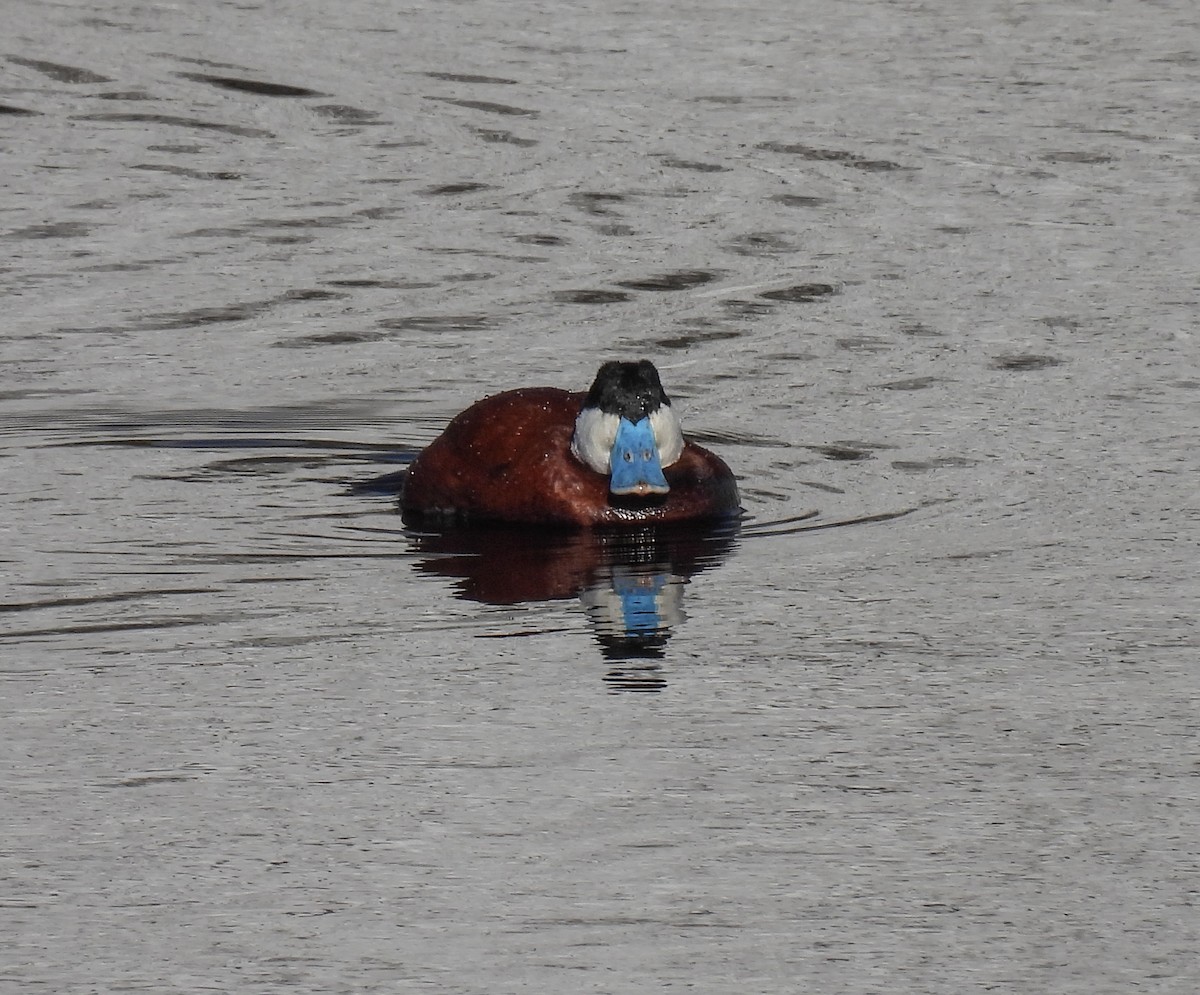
point(627, 430)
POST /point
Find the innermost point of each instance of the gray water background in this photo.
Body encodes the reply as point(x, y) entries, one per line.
point(249, 746)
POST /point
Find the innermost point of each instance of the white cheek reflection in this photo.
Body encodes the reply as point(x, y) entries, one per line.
point(636, 602)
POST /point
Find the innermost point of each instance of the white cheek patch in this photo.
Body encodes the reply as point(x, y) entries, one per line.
point(595, 435)
point(667, 434)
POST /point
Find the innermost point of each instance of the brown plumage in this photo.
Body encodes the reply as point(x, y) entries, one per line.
point(508, 458)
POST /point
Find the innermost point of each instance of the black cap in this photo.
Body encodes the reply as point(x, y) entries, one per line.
point(630, 390)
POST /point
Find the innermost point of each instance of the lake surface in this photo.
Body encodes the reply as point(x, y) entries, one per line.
point(923, 273)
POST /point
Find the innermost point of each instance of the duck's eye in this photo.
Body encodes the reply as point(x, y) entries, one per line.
point(628, 456)
point(646, 455)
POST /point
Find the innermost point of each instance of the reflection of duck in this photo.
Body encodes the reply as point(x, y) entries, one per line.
point(615, 456)
point(631, 581)
point(503, 566)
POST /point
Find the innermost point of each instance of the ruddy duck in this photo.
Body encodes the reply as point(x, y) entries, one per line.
point(541, 455)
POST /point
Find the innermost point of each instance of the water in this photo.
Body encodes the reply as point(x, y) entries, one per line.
point(923, 274)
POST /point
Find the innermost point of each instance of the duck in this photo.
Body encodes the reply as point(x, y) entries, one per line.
point(615, 455)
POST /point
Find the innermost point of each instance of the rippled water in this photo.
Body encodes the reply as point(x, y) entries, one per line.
point(923, 274)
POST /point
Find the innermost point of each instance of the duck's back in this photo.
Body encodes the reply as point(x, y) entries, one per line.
point(508, 459)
